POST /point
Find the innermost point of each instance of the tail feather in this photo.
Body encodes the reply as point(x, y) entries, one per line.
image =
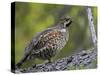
point(20, 63)
point(26, 56)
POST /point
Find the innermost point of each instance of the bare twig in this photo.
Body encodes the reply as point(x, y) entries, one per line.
point(91, 25)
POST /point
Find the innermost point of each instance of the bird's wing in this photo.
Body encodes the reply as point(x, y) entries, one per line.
point(43, 38)
point(37, 41)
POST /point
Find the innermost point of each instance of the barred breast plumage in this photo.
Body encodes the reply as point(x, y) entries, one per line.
point(53, 42)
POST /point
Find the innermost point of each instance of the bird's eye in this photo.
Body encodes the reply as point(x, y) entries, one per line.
point(67, 19)
point(67, 22)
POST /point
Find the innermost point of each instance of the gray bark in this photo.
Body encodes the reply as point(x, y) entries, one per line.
point(91, 25)
point(77, 61)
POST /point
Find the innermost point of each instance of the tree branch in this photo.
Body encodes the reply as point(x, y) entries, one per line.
point(91, 25)
point(76, 61)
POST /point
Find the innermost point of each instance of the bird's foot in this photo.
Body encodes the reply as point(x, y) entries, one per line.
point(33, 65)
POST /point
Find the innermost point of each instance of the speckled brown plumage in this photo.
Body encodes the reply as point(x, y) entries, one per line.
point(48, 43)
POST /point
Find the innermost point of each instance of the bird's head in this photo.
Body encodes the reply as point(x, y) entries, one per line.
point(65, 22)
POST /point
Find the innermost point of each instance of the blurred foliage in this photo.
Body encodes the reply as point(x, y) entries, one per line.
point(31, 18)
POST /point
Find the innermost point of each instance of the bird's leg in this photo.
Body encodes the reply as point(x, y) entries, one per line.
point(33, 65)
point(49, 60)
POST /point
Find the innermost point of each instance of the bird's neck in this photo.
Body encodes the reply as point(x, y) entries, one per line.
point(63, 30)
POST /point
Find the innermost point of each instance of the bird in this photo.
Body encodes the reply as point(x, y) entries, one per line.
point(48, 43)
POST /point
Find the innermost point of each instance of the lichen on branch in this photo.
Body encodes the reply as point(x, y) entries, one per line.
point(81, 59)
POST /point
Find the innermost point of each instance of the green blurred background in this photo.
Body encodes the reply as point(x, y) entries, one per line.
point(31, 18)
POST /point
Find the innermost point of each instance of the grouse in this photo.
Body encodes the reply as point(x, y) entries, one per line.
point(48, 43)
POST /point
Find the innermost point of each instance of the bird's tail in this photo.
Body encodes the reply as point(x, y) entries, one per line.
point(21, 62)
